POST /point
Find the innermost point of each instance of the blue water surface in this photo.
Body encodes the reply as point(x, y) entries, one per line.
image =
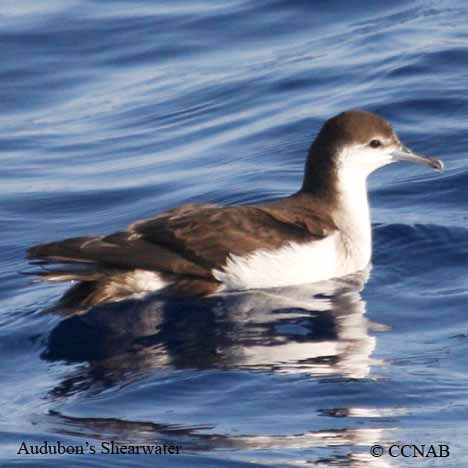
point(115, 110)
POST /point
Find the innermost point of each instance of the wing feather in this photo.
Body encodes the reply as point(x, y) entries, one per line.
point(191, 240)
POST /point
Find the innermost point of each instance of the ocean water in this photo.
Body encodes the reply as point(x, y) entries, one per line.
point(113, 111)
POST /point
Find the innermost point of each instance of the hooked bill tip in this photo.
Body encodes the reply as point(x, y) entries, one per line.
point(437, 164)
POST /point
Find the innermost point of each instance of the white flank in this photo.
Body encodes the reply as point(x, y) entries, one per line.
point(144, 281)
point(334, 256)
point(290, 265)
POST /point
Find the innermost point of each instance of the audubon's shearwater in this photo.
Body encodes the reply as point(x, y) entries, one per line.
point(321, 232)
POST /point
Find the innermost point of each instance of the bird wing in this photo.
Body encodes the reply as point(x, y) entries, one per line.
point(208, 234)
point(189, 240)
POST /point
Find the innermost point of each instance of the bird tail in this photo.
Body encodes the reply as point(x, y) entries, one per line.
point(95, 285)
point(66, 251)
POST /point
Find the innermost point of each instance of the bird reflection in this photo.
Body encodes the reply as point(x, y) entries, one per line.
point(318, 329)
point(204, 439)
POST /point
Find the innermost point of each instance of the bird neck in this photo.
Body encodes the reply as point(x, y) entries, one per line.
point(351, 198)
point(320, 174)
point(351, 215)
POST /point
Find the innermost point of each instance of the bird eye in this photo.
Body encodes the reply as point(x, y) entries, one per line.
point(375, 143)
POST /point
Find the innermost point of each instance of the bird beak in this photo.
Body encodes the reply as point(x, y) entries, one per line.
point(405, 154)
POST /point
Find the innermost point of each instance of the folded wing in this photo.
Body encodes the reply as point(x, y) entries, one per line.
point(191, 240)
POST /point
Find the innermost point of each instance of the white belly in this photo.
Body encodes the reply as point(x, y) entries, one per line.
point(293, 264)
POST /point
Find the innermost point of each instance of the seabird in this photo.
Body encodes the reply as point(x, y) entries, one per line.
point(323, 231)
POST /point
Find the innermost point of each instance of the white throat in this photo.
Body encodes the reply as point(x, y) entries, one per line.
point(352, 217)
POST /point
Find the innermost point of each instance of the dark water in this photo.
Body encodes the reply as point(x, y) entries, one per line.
point(112, 111)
